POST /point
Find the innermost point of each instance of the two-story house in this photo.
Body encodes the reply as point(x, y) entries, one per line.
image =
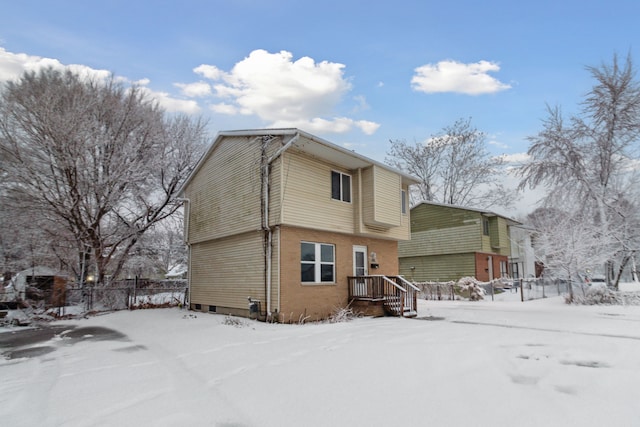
point(280, 223)
point(522, 259)
point(450, 242)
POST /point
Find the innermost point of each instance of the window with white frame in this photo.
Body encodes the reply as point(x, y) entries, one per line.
point(340, 186)
point(503, 269)
point(404, 202)
point(317, 262)
point(515, 270)
point(485, 226)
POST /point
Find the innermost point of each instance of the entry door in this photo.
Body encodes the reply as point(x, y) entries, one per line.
point(360, 269)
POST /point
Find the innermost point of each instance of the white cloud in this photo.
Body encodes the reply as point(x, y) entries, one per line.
point(334, 125)
point(361, 102)
point(224, 108)
point(515, 159)
point(173, 105)
point(284, 92)
point(195, 90)
point(497, 144)
point(13, 65)
point(209, 71)
point(452, 76)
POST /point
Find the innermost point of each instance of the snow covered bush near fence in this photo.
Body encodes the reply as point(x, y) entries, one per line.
point(470, 287)
point(159, 300)
point(600, 294)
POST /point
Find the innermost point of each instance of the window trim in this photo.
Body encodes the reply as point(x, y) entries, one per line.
point(318, 263)
point(343, 195)
point(403, 200)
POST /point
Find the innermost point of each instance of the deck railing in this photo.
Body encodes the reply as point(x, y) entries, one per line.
point(397, 295)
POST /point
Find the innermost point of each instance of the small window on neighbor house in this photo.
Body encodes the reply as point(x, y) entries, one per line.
point(404, 202)
point(485, 227)
point(515, 271)
point(340, 186)
point(317, 263)
point(503, 269)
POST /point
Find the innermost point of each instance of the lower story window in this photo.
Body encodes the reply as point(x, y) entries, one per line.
point(317, 262)
point(515, 270)
point(503, 269)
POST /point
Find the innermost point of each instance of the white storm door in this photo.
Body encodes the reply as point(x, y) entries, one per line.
point(360, 269)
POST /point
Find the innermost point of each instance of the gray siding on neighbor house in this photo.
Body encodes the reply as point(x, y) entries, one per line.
point(440, 268)
point(443, 241)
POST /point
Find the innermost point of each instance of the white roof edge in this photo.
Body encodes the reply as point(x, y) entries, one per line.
point(291, 131)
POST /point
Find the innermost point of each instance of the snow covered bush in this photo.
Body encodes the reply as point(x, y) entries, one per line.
point(343, 314)
point(596, 294)
point(469, 287)
point(236, 322)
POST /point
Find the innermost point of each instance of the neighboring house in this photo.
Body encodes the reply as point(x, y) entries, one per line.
point(450, 242)
point(284, 225)
point(522, 260)
point(36, 283)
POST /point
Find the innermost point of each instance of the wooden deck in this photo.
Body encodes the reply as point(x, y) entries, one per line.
point(398, 296)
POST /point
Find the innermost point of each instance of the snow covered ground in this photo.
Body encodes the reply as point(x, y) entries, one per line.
point(501, 363)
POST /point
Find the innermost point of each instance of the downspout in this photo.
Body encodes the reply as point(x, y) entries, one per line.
point(185, 240)
point(266, 164)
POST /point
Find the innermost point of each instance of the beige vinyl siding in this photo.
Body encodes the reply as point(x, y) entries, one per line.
point(306, 195)
point(444, 241)
point(225, 193)
point(381, 197)
point(440, 268)
point(305, 199)
point(275, 193)
point(224, 272)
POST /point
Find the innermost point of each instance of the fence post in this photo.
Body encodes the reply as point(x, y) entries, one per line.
point(521, 290)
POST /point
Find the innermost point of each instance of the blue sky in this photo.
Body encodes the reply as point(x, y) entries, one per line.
point(357, 73)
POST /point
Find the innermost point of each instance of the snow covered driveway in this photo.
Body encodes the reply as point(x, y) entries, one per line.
point(463, 363)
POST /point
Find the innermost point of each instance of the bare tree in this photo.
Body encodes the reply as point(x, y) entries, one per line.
point(421, 160)
point(160, 249)
point(454, 168)
point(93, 158)
point(591, 161)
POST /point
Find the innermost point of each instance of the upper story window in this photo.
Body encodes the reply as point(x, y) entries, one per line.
point(340, 186)
point(485, 226)
point(404, 202)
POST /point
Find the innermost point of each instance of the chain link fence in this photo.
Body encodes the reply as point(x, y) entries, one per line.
point(522, 289)
point(120, 295)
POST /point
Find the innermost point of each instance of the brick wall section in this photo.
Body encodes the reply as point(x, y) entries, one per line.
point(317, 301)
point(482, 265)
